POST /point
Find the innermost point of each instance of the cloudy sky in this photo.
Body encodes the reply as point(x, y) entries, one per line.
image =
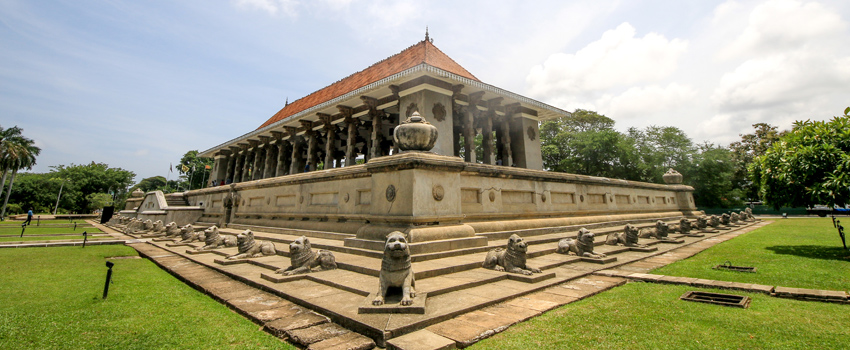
point(136, 84)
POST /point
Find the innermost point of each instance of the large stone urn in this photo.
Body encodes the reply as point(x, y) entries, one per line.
point(415, 134)
point(672, 177)
point(138, 193)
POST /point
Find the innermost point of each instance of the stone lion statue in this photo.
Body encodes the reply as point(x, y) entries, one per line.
point(172, 230)
point(724, 219)
point(628, 238)
point(714, 221)
point(396, 270)
point(511, 259)
point(745, 216)
point(133, 225)
point(659, 232)
point(581, 246)
point(213, 240)
point(147, 225)
point(250, 248)
point(188, 234)
point(158, 227)
point(683, 227)
point(734, 217)
point(302, 258)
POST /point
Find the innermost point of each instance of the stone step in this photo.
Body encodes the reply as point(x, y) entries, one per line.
point(293, 232)
point(559, 229)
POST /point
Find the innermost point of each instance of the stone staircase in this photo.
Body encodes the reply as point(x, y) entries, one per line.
point(451, 280)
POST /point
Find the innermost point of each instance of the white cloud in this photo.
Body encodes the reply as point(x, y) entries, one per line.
point(775, 80)
point(779, 25)
point(272, 7)
point(617, 59)
point(644, 101)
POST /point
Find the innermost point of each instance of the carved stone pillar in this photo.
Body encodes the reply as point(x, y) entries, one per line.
point(507, 153)
point(330, 140)
point(377, 126)
point(259, 158)
point(246, 165)
point(271, 161)
point(487, 139)
point(312, 145)
point(350, 151)
point(282, 158)
point(296, 158)
point(237, 167)
point(231, 165)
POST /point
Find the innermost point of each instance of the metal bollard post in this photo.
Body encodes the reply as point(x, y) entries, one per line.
point(841, 234)
point(23, 228)
point(109, 264)
point(85, 238)
point(75, 226)
point(38, 221)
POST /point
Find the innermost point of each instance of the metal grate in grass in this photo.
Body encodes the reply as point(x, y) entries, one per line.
point(717, 298)
point(729, 267)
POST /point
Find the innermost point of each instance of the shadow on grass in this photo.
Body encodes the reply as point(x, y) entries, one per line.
point(813, 251)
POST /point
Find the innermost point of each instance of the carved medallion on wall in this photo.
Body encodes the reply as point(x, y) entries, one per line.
point(439, 112)
point(390, 193)
point(492, 196)
point(543, 197)
point(301, 199)
point(581, 198)
point(438, 192)
point(412, 107)
point(268, 200)
point(531, 135)
point(345, 198)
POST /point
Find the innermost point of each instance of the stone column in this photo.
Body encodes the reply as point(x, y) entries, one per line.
point(525, 143)
point(282, 164)
point(350, 151)
point(469, 126)
point(246, 165)
point(487, 139)
point(271, 161)
point(507, 153)
point(257, 167)
point(377, 126)
point(312, 145)
point(468, 136)
point(330, 140)
point(296, 158)
point(231, 165)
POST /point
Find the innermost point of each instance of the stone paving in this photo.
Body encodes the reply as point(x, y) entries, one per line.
point(465, 303)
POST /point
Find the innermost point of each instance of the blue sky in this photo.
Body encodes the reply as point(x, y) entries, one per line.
point(136, 84)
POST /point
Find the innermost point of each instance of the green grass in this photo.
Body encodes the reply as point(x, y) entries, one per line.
point(50, 298)
point(650, 316)
point(25, 238)
point(43, 230)
point(800, 253)
point(34, 221)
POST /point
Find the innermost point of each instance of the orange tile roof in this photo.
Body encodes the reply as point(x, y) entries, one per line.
point(422, 52)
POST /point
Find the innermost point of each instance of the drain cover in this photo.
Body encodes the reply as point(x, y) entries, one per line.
point(717, 298)
point(729, 267)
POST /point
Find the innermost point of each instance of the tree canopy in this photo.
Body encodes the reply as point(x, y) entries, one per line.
point(586, 143)
point(195, 170)
point(809, 165)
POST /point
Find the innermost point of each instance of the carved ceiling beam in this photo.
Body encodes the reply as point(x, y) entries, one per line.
point(291, 131)
point(307, 125)
point(326, 120)
point(277, 135)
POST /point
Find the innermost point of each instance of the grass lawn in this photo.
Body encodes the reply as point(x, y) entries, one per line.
point(650, 316)
point(800, 253)
point(43, 230)
point(25, 238)
point(50, 298)
point(34, 220)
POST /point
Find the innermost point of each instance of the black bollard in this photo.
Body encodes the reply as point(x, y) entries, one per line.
point(833, 221)
point(841, 234)
point(38, 221)
point(23, 228)
point(85, 238)
point(109, 264)
point(75, 226)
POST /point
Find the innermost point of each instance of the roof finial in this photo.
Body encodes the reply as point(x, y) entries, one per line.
point(426, 34)
point(287, 101)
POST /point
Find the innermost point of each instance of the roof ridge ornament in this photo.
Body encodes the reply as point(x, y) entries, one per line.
point(426, 34)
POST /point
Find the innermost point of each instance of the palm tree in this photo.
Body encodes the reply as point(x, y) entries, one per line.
point(16, 152)
point(7, 136)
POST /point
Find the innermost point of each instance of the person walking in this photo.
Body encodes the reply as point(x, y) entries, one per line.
point(29, 217)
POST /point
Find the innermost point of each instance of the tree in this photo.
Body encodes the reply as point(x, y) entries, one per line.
point(750, 147)
point(16, 152)
point(809, 165)
point(711, 176)
point(150, 184)
point(661, 148)
point(195, 170)
point(84, 180)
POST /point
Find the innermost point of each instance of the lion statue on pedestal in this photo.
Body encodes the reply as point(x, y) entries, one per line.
point(511, 259)
point(188, 234)
point(581, 246)
point(659, 232)
point(396, 271)
point(628, 238)
point(213, 240)
point(250, 248)
point(302, 258)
